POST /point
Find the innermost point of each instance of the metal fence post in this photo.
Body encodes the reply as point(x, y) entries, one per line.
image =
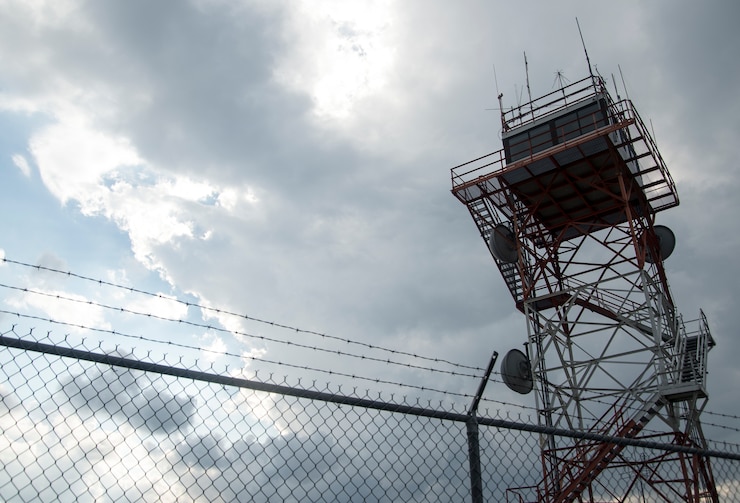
point(476, 484)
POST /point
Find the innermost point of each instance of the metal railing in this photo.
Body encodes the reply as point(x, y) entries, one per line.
point(619, 121)
point(553, 102)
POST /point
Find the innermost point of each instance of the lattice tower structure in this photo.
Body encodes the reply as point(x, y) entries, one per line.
point(568, 211)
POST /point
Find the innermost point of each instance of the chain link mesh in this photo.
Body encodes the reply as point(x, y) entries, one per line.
point(72, 429)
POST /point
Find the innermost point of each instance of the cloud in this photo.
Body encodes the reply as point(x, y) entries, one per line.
point(320, 467)
point(340, 55)
point(22, 164)
point(192, 164)
point(204, 451)
point(162, 305)
point(293, 162)
point(73, 158)
point(8, 400)
point(75, 310)
point(121, 394)
point(212, 346)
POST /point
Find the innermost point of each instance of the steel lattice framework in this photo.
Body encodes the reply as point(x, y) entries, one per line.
point(568, 210)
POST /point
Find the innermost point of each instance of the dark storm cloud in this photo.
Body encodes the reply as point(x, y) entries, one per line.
point(121, 393)
point(205, 451)
point(373, 466)
point(694, 100)
point(291, 467)
point(697, 48)
point(193, 88)
point(192, 85)
point(201, 95)
point(356, 233)
point(8, 400)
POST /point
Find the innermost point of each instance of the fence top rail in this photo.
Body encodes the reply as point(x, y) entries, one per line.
point(123, 362)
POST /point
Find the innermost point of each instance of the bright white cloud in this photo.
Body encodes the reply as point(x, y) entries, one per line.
point(22, 164)
point(73, 157)
point(212, 347)
point(164, 306)
point(76, 311)
point(230, 199)
point(253, 354)
point(161, 211)
point(340, 53)
point(105, 176)
point(233, 324)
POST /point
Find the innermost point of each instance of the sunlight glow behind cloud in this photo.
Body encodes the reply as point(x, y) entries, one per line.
point(72, 158)
point(341, 56)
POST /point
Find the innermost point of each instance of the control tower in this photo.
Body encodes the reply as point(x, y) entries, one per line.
point(567, 210)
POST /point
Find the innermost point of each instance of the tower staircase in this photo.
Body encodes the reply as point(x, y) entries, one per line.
point(575, 473)
point(485, 222)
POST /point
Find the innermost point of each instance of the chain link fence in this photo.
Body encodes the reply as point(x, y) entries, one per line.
point(81, 424)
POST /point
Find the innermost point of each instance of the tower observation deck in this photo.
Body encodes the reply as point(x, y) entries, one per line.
point(568, 210)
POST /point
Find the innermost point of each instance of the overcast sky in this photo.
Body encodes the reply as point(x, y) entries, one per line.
point(290, 160)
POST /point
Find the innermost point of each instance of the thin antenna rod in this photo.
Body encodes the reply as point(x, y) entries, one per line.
point(655, 139)
point(529, 91)
point(626, 92)
point(583, 43)
point(495, 79)
point(500, 101)
point(616, 89)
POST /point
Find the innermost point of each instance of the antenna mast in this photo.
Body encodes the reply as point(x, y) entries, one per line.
point(583, 43)
point(621, 75)
point(529, 91)
point(500, 101)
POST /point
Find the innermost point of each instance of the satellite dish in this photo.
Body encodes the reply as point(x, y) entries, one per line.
point(502, 244)
point(666, 243)
point(517, 372)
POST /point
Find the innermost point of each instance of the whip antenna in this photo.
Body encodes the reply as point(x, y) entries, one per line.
point(588, 61)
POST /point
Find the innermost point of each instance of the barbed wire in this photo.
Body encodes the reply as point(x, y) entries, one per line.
point(325, 371)
point(180, 345)
point(226, 353)
point(309, 368)
point(243, 316)
point(288, 343)
point(236, 332)
point(265, 424)
point(720, 414)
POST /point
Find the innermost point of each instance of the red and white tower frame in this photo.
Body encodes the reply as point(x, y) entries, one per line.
point(567, 209)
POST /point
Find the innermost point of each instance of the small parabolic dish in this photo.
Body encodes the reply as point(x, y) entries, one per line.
point(666, 242)
point(502, 244)
point(517, 372)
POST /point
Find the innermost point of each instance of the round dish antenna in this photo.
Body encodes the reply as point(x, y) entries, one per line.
point(517, 372)
point(666, 243)
point(502, 244)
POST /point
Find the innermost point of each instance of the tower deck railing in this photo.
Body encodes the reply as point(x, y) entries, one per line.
point(628, 134)
point(687, 372)
point(553, 102)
